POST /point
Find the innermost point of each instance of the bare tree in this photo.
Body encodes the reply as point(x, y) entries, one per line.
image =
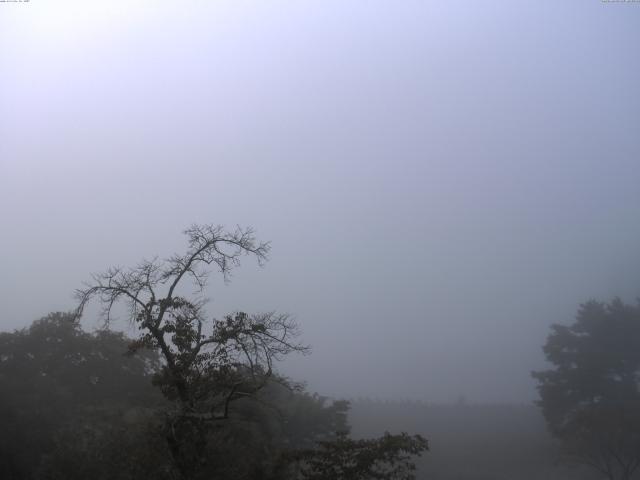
point(207, 365)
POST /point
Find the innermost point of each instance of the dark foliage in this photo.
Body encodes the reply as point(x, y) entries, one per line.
point(78, 405)
point(53, 373)
point(590, 398)
point(207, 364)
point(388, 457)
point(211, 368)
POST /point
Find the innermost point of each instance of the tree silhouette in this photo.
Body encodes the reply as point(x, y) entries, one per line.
point(209, 367)
point(590, 398)
point(207, 364)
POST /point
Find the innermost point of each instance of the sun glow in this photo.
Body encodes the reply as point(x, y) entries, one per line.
point(71, 21)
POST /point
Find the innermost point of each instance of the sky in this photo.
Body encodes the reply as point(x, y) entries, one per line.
point(440, 181)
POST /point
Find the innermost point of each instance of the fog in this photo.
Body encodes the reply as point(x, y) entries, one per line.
point(440, 181)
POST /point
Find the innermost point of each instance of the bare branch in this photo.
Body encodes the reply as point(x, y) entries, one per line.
point(207, 365)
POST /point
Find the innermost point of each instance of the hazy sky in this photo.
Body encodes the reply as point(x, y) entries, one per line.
point(441, 180)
